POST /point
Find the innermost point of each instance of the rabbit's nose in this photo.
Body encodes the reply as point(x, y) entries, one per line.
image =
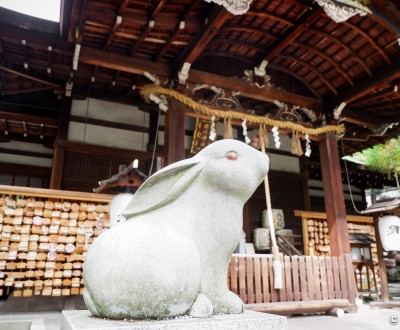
point(231, 155)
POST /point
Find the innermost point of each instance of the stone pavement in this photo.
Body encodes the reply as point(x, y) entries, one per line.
point(366, 318)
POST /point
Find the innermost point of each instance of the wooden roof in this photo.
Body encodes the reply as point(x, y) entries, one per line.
point(311, 61)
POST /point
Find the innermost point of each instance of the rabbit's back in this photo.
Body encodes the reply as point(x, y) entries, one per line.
point(142, 270)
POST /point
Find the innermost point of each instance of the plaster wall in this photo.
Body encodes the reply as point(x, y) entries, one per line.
point(26, 160)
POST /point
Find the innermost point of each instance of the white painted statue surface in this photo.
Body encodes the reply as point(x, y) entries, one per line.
point(117, 205)
point(171, 256)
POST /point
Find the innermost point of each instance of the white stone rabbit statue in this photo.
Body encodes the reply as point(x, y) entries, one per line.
point(171, 256)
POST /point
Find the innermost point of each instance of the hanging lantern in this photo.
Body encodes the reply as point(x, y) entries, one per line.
point(342, 10)
point(389, 231)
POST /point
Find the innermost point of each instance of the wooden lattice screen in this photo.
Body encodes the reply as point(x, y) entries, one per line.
point(82, 172)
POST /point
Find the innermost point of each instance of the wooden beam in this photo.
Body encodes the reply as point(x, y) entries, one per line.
point(360, 119)
point(139, 66)
point(338, 41)
point(365, 86)
point(123, 63)
point(298, 307)
point(334, 197)
point(303, 24)
point(177, 29)
point(49, 122)
point(373, 43)
point(148, 27)
point(26, 90)
point(268, 94)
point(326, 58)
point(216, 19)
point(59, 145)
point(174, 133)
point(28, 76)
point(311, 68)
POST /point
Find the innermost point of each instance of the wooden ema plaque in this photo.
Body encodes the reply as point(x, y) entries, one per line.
point(44, 241)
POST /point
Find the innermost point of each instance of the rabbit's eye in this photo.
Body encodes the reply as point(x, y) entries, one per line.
point(231, 155)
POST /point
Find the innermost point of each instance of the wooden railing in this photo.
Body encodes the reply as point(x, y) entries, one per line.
point(305, 279)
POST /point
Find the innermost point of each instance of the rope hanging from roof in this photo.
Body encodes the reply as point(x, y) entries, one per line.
point(150, 92)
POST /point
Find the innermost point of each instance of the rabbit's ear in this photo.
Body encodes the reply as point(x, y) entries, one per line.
point(164, 186)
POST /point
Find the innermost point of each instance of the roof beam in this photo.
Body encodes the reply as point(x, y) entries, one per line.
point(123, 63)
point(360, 119)
point(138, 66)
point(365, 86)
point(305, 22)
point(216, 19)
point(28, 76)
point(148, 27)
point(268, 94)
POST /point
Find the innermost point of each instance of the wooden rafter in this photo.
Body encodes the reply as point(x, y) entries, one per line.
point(382, 105)
point(344, 46)
point(365, 86)
point(31, 77)
point(274, 17)
point(216, 19)
point(255, 30)
point(306, 20)
point(148, 28)
point(327, 58)
point(374, 44)
point(372, 97)
point(179, 27)
point(297, 76)
point(360, 119)
point(311, 68)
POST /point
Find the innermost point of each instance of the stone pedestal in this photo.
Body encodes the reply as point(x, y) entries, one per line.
point(79, 320)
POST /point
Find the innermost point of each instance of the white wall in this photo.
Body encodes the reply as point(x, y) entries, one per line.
point(108, 137)
point(26, 160)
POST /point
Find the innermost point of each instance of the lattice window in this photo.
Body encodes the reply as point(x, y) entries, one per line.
point(23, 180)
point(83, 172)
point(6, 179)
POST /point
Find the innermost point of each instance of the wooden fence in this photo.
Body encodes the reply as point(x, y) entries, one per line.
point(305, 279)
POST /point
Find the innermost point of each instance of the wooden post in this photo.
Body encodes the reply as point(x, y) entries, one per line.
point(381, 264)
point(59, 145)
point(304, 183)
point(58, 165)
point(334, 197)
point(174, 142)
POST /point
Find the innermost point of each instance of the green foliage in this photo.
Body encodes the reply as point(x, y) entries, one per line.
point(382, 157)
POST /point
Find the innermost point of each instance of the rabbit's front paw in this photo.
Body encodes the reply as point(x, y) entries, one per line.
point(229, 303)
point(202, 307)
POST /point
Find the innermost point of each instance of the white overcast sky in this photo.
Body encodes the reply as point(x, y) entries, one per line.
point(47, 9)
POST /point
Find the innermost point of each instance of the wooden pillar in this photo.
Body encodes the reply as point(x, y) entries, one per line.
point(174, 140)
point(153, 126)
point(381, 264)
point(304, 183)
point(334, 196)
point(59, 145)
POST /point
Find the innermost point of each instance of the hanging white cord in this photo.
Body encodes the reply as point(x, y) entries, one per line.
point(87, 112)
point(155, 141)
point(348, 181)
point(276, 263)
